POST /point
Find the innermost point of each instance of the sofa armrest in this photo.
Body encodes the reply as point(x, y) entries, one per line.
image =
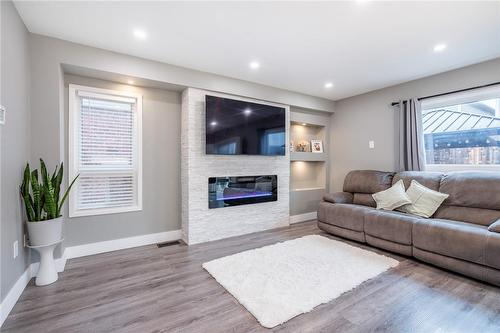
point(339, 197)
point(495, 226)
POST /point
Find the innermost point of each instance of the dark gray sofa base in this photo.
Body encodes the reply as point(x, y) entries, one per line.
point(389, 246)
point(361, 237)
point(480, 272)
point(358, 236)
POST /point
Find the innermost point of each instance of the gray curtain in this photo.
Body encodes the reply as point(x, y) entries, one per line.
point(410, 137)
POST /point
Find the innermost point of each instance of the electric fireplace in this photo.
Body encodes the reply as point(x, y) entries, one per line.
point(241, 190)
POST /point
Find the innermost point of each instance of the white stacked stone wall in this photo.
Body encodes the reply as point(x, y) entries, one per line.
point(201, 224)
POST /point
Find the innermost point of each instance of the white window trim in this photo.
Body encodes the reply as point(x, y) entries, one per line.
point(462, 98)
point(75, 90)
point(462, 167)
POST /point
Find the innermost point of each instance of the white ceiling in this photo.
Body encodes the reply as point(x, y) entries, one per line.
point(358, 45)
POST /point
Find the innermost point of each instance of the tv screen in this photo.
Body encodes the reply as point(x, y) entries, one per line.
point(242, 128)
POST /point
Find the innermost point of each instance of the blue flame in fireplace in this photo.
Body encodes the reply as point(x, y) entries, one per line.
point(246, 195)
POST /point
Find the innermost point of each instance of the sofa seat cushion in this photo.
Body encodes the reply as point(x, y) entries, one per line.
point(454, 239)
point(346, 216)
point(392, 226)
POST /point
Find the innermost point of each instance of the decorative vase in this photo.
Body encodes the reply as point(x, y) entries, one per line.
point(45, 232)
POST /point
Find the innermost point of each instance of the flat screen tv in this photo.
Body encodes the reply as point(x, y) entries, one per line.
point(236, 127)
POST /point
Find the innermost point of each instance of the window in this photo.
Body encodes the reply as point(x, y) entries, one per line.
point(105, 149)
point(462, 131)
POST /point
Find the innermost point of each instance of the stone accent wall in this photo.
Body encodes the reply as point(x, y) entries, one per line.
point(201, 224)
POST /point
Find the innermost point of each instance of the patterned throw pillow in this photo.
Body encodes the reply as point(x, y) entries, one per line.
point(392, 198)
point(424, 201)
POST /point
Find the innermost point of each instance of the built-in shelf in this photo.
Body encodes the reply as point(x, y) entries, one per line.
point(308, 171)
point(308, 156)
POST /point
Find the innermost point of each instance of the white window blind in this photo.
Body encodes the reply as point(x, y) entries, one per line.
point(105, 150)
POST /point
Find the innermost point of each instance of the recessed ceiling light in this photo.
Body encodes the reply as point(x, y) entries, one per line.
point(213, 123)
point(130, 82)
point(439, 47)
point(304, 124)
point(328, 85)
point(140, 34)
point(247, 111)
point(254, 65)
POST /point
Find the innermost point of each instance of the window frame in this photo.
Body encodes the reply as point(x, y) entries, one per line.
point(474, 95)
point(73, 147)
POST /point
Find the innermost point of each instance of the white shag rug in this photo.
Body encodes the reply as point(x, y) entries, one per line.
point(278, 282)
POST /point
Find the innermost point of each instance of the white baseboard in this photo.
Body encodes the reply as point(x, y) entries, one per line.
point(81, 251)
point(303, 217)
point(122, 243)
point(15, 292)
point(13, 295)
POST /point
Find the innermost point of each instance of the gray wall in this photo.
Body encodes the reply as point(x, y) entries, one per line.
point(161, 122)
point(39, 81)
point(369, 116)
point(15, 140)
point(49, 119)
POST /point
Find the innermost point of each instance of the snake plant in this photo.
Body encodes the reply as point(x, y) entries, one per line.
point(41, 197)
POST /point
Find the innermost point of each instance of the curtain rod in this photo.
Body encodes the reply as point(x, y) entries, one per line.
point(453, 92)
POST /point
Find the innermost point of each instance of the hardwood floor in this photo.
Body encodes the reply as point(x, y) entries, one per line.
point(151, 289)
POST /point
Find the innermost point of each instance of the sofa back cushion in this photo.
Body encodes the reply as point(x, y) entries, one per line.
point(474, 197)
point(429, 179)
point(472, 189)
point(367, 181)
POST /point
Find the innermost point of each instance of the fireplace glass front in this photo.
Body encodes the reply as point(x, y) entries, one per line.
point(241, 190)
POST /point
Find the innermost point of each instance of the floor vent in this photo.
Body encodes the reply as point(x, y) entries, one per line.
point(177, 242)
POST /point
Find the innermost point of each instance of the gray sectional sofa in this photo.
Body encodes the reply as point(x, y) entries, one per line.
point(460, 235)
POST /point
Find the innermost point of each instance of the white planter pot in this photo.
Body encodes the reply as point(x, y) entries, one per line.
point(45, 232)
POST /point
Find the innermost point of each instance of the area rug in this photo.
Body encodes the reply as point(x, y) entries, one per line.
point(278, 282)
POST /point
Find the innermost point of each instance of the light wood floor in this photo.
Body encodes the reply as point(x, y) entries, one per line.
point(150, 289)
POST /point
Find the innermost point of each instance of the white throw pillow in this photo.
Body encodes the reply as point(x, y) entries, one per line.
point(392, 198)
point(424, 201)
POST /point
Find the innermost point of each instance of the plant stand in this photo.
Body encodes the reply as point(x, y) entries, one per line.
point(47, 272)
